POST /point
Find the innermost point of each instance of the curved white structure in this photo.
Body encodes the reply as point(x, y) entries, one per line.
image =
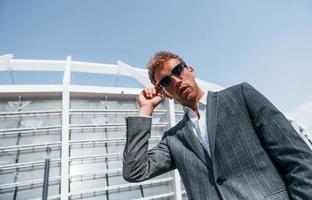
point(80, 131)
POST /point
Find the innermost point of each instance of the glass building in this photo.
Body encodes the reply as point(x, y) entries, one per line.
point(65, 140)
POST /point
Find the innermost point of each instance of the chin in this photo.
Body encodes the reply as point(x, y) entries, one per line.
point(188, 98)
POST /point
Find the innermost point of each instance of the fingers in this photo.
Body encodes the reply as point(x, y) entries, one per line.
point(149, 98)
point(159, 97)
point(149, 93)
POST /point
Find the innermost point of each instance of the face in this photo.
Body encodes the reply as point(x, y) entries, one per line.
point(182, 88)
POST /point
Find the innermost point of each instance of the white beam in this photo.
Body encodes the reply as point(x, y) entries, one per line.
point(138, 75)
point(5, 62)
point(123, 69)
point(103, 90)
point(65, 130)
point(30, 88)
point(35, 65)
point(206, 86)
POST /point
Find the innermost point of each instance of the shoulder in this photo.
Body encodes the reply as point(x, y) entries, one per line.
point(235, 88)
point(232, 98)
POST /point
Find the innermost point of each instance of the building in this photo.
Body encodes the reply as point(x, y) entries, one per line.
point(65, 141)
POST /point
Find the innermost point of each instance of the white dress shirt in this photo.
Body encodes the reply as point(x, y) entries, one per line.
point(199, 125)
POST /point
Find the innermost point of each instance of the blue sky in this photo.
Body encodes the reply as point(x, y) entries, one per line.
point(266, 43)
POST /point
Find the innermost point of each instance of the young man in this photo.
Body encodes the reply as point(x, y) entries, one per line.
point(236, 146)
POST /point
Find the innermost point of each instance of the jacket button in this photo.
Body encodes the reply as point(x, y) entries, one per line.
point(221, 180)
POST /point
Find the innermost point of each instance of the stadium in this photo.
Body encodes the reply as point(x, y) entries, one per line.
point(65, 140)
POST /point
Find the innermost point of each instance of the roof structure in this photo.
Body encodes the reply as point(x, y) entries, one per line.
point(65, 90)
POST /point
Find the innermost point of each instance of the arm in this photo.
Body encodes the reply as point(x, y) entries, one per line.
point(282, 142)
point(139, 163)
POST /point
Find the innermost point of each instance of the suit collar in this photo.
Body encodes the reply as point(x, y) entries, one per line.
point(191, 139)
point(194, 143)
point(211, 117)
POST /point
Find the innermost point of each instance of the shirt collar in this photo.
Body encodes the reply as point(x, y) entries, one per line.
point(203, 100)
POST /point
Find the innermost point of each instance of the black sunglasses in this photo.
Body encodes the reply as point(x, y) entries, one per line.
point(176, 71)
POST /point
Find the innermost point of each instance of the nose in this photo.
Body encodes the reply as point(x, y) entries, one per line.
point(176, 80)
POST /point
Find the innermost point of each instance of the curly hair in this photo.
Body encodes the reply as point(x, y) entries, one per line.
point(158, 61)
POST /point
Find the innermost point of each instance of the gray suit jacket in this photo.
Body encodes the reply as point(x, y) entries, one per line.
point(255, 152)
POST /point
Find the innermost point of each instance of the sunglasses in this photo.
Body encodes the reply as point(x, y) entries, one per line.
point(176, 71)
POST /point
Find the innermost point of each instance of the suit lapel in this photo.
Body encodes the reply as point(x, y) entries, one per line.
point(211, 117)
point(194, 143)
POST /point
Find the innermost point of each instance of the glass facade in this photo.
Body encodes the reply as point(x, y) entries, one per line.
point(31, 145)
point(27, 129)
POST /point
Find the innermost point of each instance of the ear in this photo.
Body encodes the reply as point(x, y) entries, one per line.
point(191, 68)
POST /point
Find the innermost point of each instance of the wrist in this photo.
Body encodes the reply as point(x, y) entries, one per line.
point(146, 111)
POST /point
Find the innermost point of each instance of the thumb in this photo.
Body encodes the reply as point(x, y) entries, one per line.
point(158, 98)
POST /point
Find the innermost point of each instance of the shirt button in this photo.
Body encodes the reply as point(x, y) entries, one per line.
point(221, 180)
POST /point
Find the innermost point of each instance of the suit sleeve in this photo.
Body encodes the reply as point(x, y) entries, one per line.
point(139, 163)
point(282, 142)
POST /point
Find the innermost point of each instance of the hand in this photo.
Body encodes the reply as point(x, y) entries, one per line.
point(149, 98)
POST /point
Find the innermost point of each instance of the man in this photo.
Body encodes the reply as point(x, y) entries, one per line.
point(238, 147)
